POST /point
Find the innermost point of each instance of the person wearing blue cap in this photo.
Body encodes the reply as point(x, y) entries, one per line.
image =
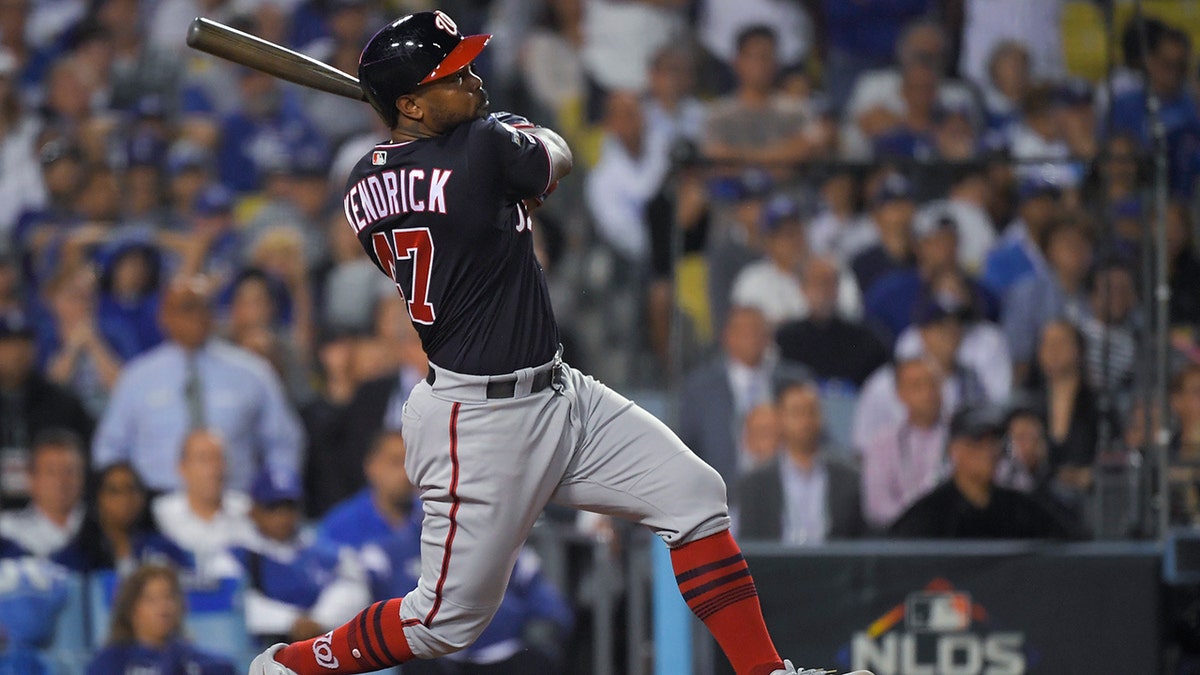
point(1017, 253)
point(883, 244)
point(296, 587)
point(212, 244)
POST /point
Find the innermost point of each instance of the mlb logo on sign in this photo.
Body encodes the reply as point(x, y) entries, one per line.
point(379, 158)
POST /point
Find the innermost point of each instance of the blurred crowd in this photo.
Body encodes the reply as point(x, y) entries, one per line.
point(900, 253)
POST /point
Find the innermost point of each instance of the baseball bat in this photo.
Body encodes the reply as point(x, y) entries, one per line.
point(254, 52)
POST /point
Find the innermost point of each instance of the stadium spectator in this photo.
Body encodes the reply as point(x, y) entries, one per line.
point(756, 125)
point(1111, 329)
point(1183, 266)
point(33, 596)
point(1184, 472)
point(806, 496)
point(388, 503)
point(863, 36)
point(267, 124)
point(904, 461)
point(189, 170)
point(722, 22)
point(893, 298)
point(883, 243)
point(192, 382)
point(137, 68)
point(1039, 136)
point(55, 511)
point(680, 217)
point(1026, 466)
point(634, 160)
point(970, 505)
point(983, 351)
point(671, 107)
point(340, 444)
point(1166, 66)
point(937, 334)
point(837, 214)
point(296, 197)
point(716, 396)
point(1080, 119)
point(1037, 299)
point(296, 588)
point(882, 99)
point(349, 286)
point(21, 186)
point(1004, 83)
point(146, 631)
point(29, 404)
point(1017, 254)
point(213, 242)
point(833, 346)
point(774, 285)
point(1073, 417)
point(760, 437)
point(260, 308)
point(204, 517)
point(734, 237)
point(118, 532)
point(966, 204)
point(550, 65)
point(130, 284)
point(77, 352)
point(349, 23)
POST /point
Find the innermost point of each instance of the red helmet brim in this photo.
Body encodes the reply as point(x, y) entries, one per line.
point(459, 57)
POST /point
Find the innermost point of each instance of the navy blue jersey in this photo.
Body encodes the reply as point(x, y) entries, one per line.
point(443, 218)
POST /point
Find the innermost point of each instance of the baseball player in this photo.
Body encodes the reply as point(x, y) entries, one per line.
point(501, 426)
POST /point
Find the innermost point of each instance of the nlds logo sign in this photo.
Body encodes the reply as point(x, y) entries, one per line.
point(937, 631)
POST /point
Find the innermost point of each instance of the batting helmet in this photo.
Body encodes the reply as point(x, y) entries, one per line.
point(412, 51)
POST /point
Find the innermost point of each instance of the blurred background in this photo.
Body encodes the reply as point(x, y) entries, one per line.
point(831, 242)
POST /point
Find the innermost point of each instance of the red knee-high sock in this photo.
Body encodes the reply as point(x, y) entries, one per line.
point(716, 583)
point(373, 640)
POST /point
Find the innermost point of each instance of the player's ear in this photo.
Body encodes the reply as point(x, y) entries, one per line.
point(410, 107)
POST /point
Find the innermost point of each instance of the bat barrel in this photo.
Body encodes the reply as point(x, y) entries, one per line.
point(254, 52)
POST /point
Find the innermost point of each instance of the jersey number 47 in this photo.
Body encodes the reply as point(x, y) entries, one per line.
point(407, 257)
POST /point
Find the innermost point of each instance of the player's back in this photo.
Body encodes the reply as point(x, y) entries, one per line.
point(443, 217)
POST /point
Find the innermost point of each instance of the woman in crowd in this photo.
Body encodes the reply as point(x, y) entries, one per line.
point(1072, 413)
point(117, 533)
point(146, 634)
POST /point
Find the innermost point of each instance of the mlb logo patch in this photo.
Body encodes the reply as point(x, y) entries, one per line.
point(379, 157)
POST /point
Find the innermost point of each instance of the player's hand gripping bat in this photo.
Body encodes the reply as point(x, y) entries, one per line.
point(254, 52)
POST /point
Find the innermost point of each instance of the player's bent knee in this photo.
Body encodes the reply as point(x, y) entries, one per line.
point(701, 505)
point(448, 637)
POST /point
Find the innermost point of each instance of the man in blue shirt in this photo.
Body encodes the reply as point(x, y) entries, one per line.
point(296, 588)
point(1018, 254)
point(194, 382)
point(1166, 64)
point(385, 506)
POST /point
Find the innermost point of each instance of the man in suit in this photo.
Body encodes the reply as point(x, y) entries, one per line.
point(717, 396)
point(806, 496)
